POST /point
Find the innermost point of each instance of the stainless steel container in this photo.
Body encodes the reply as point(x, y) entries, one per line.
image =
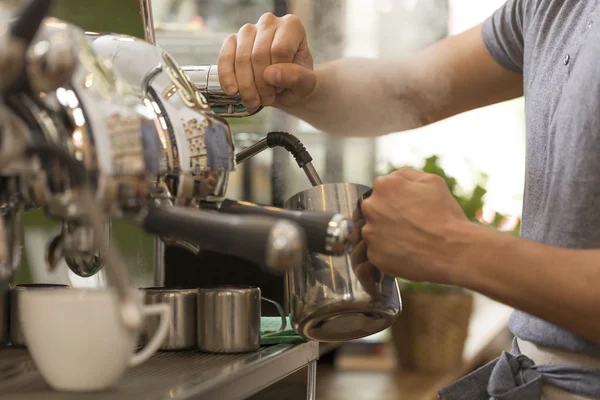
point(16, 337)
point(229, 319)
point(4, 314)
point(333, 298)
point(182, 326)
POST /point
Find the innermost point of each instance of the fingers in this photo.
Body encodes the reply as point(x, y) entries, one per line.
point(244, 71)
point(261, 57)
point(358, 222)
point(227, 65)
point(410, 174)
point(368, 276)
point(245, 59)
point(359, 254)
point(288, 38)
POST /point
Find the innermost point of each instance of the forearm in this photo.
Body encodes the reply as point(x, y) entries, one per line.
point(366, 97)
point(555, 284)
point(362, 97)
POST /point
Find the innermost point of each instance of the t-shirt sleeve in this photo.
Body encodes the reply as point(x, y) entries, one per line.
point(503, 35)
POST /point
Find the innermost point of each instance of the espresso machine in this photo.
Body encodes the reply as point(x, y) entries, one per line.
point(147, 136)
point(99, 127)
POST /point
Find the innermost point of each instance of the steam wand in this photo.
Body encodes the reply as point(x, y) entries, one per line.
point(292, 144)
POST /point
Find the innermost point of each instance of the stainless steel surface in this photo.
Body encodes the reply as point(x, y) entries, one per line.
point(52, 65)
point(196, 151)
point(4, 314)
point(206, 79)
point(16, 337)
point(339, 234)
point(312, 174)
point(76, 244)
point(169, 375)
point(182, 333)
point(85, 118)
point(161, 198)
point(158, 261)
point(285, 246)
point(331, 298)
point(101, 123)
point(251, 151)
point(148, 20)
point(311, 381)
point(11, 58)
point(11, 228)
point(158, 245)
point(229, 319)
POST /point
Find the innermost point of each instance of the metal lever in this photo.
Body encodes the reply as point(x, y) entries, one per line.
point(206, 79)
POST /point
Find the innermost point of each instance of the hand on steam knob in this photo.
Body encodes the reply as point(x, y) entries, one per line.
point(410, 220)
point(268, 62)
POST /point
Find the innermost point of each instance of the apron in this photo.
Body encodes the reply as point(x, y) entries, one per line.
point(554, 375)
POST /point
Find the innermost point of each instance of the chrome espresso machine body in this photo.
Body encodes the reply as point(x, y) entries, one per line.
point(145, 140)
point(149, 142)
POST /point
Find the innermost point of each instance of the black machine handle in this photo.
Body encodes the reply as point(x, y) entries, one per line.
point(275, 244)
point(326, 232)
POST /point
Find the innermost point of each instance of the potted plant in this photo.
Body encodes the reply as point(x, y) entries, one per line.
point(430, 333)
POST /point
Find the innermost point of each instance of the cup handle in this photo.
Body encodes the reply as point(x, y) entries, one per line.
point(281, 314)
point(163, 311)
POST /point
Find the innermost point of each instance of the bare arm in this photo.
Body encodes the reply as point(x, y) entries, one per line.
point(415, 229)
point(556, 284)
point(369, 97)
point(362, 97)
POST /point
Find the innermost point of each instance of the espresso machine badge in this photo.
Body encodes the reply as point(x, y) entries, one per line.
point(126, 143)
point(195, 133)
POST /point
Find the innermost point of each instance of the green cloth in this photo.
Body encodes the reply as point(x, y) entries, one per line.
point(272, 324)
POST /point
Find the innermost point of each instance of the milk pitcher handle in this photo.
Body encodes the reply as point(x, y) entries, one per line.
point(281, 314)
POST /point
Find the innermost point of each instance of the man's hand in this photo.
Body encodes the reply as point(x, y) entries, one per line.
point(410, 218)
point(268, 62)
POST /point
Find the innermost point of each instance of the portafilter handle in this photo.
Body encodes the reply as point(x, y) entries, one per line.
point(275, 244)
point(206, 79)
point(326, 232)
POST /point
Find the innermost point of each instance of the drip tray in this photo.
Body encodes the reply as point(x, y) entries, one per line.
point(169, 375)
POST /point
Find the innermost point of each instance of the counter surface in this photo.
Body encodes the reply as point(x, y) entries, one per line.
point(169, 375)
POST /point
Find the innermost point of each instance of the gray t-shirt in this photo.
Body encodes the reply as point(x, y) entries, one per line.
point(555, 44)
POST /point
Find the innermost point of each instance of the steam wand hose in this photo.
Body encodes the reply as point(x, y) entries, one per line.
point(289, 142)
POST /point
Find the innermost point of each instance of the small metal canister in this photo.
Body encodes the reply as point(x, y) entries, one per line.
point(229, 319)
point(182, 327)
point(4, 315)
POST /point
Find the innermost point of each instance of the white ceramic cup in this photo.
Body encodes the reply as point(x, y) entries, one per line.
point(78, 340)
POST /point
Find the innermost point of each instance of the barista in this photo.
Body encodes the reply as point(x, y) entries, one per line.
point(415, 229)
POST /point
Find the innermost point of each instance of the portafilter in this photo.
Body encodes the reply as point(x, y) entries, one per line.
point(327, 231)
